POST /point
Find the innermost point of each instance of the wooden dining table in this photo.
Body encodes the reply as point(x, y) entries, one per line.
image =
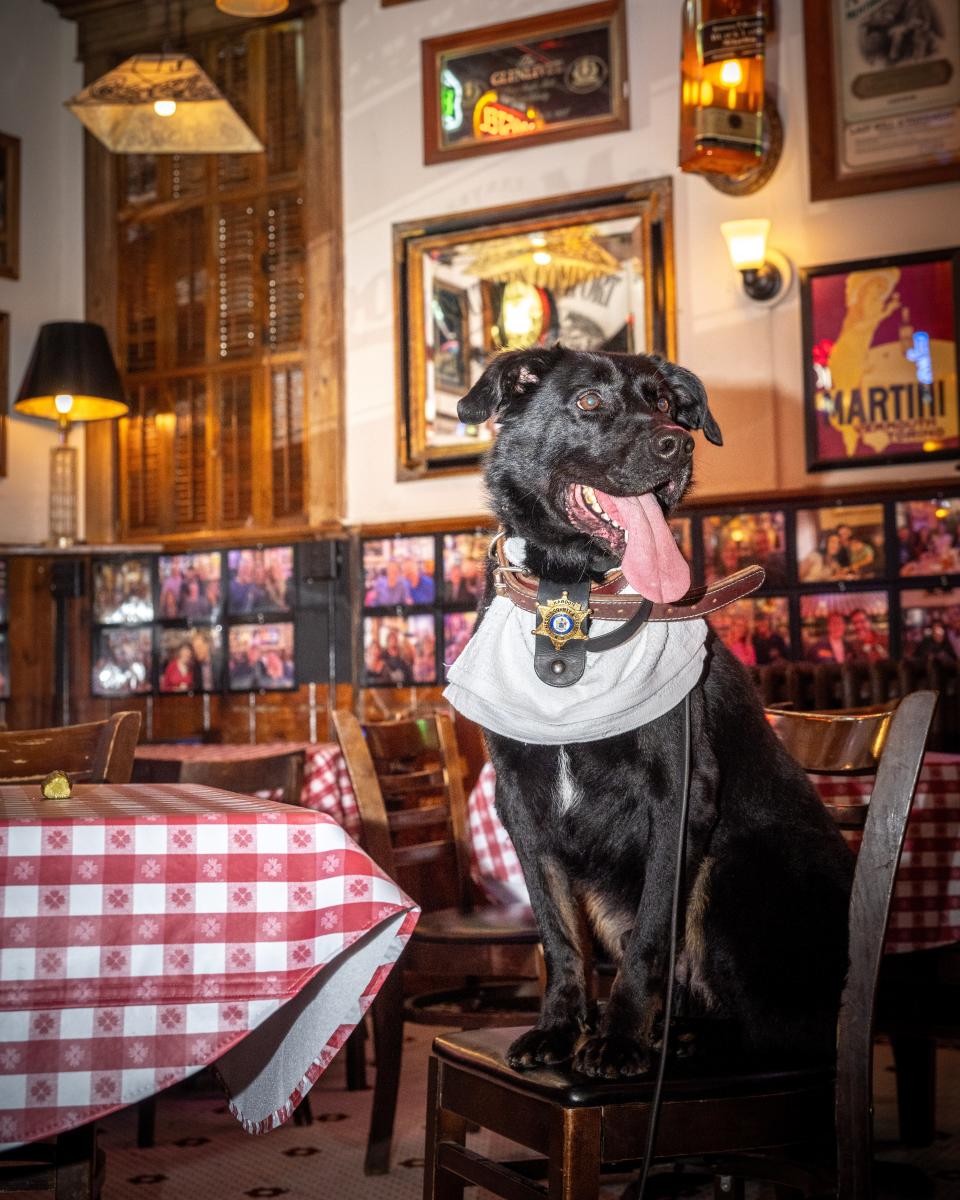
point(149, 930)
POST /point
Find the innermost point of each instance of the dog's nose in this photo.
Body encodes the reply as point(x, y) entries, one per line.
point(673, 445)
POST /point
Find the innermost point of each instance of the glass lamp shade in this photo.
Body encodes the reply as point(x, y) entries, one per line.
point(71, 375)
point(746, 243)
point(252, 8)
point(162, 104)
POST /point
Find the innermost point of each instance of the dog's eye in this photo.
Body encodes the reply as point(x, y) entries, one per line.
point(663, 405)
point(590, 401)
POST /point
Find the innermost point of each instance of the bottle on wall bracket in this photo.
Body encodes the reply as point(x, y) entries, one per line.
point(721, 94)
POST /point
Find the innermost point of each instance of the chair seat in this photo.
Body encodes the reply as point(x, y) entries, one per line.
point(485, 1050)
point(488, 923)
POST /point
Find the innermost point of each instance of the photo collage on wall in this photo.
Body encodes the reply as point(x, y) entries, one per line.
point(198, 622)
point(4, 642)
point(857, 582)
point(420, 596)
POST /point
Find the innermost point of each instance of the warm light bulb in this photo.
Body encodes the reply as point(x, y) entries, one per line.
point(942, 513)
point(731, 73)
point(542, 258)
point(63, 404)
point(538, 239)
point(747, 243)
point(164, 108)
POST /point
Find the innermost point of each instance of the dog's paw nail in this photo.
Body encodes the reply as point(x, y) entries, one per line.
point(611, 1058)
point(542, 1047)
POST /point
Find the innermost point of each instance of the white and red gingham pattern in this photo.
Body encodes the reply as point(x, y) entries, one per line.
point(326, 782)
point(146, 929)
point(926, 901)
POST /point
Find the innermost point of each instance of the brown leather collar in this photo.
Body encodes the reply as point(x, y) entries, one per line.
point(609, 602)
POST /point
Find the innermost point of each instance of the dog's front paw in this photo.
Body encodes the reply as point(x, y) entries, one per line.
point(611, 1057)
point(543, 1047)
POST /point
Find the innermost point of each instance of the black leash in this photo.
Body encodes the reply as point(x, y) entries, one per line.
point(672, 958)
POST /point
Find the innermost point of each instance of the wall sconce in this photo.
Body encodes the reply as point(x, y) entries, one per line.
point(766, 273)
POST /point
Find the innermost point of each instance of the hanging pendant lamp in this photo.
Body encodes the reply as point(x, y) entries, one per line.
point(253, 8)
point(162, 104)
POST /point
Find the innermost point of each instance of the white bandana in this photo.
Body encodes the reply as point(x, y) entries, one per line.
point(493, 682)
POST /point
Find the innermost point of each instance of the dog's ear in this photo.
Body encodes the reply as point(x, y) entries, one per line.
point(690, 400)
point(509, 376)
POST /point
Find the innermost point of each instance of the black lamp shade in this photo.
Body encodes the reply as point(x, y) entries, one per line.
point(71, 359)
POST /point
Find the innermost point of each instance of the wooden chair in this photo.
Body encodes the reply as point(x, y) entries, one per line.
point(101, 752)
point(406, 775)
point(280, 775)
point(725, 1117)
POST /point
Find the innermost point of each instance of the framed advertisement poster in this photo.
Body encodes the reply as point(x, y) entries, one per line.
point(880, 343)
point(883, 90)
point(544, 79)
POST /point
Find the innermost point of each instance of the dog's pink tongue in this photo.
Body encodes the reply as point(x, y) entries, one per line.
point(652, 564)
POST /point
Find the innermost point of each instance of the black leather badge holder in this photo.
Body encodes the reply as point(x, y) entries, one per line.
point(563, 618)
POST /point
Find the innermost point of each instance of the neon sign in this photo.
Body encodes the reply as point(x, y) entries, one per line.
point(493, 119)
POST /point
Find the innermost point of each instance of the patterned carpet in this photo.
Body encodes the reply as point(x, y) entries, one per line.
point(201, 1153)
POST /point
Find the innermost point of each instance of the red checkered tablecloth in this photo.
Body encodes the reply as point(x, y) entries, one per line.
point(926, 902)
point(146, 931)
point(326, 784)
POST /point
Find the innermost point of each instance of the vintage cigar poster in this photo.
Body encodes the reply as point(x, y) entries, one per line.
point(898, 83)
point(881, 348)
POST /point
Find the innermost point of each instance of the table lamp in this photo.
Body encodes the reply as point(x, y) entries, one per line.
point(71, 377)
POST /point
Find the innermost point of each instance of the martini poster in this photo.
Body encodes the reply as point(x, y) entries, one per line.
point(880, 347)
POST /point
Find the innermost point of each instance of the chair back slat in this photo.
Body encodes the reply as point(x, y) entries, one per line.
point(873, 882)
point(407, 778)
point(97, 752)
point(278, 775)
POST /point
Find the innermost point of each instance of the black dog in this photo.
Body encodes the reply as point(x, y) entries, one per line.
point(767, 873)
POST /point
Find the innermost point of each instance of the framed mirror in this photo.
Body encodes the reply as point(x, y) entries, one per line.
point(592, 270)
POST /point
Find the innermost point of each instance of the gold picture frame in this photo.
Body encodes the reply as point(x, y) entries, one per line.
point(593, 270)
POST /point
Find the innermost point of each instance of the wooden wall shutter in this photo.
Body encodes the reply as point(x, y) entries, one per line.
point(213, 291)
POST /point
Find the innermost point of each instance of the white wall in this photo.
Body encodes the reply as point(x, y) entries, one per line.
point(750, 358)
point(38, 74)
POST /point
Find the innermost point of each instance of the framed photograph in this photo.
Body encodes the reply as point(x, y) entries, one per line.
point(122, 662)
point(399, 572)
point(261, 658)
point(191, 659)
point(928, 537)
point(756, 630)
point(883, 95)
point(4, 667)
point(845, 627)
point(457, 628)
point(880, 360)
point(189, 587)
point(930, 624)
point(682, 530)
point(543, 79)
point(261, 581)
point(735, 540)
point(9, 206)
point(593, 270)
point(464, 571)
point(4, 388)
point(122, 591)
point(846, 542)
point(399, 651)
point(451, 338)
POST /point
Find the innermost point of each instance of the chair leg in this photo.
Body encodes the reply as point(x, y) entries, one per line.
point(76, 1157)
point(445, 1126)
point(357, 1058)
point(387, 1011)
point(146, 1122)
point(915, 1059)
point(574, 1172)
point(303, 1113)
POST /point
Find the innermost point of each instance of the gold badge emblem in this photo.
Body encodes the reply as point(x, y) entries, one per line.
point(562, 621)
